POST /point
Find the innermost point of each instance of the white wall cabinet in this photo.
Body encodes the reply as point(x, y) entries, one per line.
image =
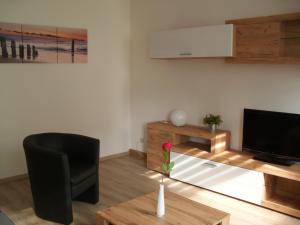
point(234, 181)
point(208, 41)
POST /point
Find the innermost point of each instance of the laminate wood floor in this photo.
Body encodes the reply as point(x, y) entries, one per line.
point(125, 178)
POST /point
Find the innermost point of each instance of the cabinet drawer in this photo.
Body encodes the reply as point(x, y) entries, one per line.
point(234, 181)
point(155, 139)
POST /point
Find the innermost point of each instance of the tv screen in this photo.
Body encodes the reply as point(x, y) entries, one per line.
point(272, 132)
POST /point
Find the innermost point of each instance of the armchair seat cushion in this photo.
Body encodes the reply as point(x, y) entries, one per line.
point(81, 171)
point(85, 184)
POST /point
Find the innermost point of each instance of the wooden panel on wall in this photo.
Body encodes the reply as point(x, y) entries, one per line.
point(291, 29)
point(258, 40)
point(264, 60)
point(269, 39)
point(266, 19)
point(291, 47)
point(290, 39)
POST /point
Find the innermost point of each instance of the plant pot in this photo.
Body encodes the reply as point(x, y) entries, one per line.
point(160, 210)
point(212, 127)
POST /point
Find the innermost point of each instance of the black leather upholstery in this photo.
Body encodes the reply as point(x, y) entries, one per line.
point(62, 167)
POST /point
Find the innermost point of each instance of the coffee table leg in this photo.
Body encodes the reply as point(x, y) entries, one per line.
point(226, 221)
point(103, 222)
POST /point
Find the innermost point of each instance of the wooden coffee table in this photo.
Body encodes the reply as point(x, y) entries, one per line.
point(179, 210)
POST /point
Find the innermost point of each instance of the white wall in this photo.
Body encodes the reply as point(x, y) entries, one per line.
point(95, 98)
point(204, 86)
point(90, 99)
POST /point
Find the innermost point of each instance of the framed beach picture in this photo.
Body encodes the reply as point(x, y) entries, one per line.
point(42, 44)
point(72, 45)
point(11, 43)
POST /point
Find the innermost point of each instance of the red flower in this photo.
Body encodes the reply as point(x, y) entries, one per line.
point(167, 146)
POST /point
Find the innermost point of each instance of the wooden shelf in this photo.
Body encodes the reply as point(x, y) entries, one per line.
point(180, 137)
point(264, 60)
point(289, 38)
point(284, 204)
point(191, 146)
point(188, 130)
point(266, 19)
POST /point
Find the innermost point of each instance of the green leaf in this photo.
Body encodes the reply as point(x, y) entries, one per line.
point(165, 167)
point(171, 166)
point(212, 119)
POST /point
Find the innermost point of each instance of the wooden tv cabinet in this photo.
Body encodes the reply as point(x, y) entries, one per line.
point(229, 172)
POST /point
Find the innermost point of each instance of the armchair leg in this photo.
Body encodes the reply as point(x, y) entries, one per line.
point(91, 195)
point(62, 214)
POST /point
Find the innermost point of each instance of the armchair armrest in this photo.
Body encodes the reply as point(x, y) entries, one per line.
point(50, 180)
point(83, 148)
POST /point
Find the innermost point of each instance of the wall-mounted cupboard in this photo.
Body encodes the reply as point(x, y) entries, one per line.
point(196, 42)
point(269, 39)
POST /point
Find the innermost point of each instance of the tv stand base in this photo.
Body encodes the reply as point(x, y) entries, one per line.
point(273, 159)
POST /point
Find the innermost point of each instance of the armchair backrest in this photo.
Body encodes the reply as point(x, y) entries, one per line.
point(51, 141)
point(76, 147)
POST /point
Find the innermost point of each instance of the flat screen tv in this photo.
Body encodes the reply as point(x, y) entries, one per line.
point(275, 135)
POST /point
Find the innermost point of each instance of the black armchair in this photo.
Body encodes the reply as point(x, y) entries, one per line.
point(62, 168)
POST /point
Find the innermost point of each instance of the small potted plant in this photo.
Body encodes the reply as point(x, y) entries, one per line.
point(213, 121)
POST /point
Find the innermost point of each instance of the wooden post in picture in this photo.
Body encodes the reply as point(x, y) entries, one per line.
point(33, 52)
point(73, 49)
point(13, 49)
point(28, 52)
point(21, 51)
point(4, 48)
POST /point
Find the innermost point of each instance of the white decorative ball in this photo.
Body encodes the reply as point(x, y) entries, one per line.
point(178, 117)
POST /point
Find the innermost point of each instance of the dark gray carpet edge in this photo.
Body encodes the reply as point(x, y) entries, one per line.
point(4, 220)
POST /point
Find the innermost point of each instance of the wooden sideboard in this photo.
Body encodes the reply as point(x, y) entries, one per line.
point(186, 136)
point(218, 169)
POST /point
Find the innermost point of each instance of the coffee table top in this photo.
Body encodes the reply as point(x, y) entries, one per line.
point(179, 210)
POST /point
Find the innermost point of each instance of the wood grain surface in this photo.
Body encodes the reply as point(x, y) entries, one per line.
point(179, 210)
point(125, 178)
